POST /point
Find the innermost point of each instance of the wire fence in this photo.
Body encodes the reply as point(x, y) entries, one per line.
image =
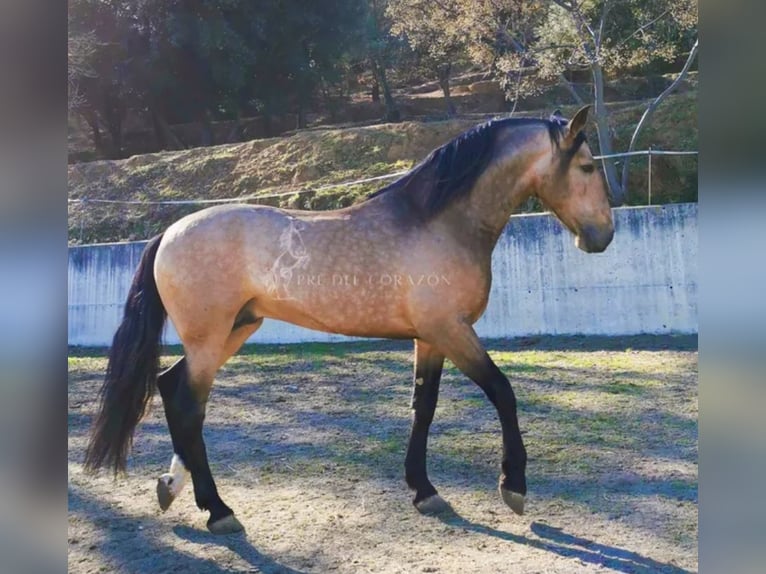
point(649, 153)
point(259, 197)
point(240, 199)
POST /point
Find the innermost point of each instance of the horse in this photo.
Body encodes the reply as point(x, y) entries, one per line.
point(410, 261)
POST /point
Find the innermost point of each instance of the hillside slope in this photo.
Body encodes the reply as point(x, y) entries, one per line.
point(313, 158)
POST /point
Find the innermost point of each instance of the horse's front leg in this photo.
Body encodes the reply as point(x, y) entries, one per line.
point(459, 342)
point(425, 392)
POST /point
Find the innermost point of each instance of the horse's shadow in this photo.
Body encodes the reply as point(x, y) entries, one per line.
point(114, 524)
point(556, 541)
point(239, 545)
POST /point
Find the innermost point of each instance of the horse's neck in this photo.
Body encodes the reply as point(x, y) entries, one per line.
point(492, 201)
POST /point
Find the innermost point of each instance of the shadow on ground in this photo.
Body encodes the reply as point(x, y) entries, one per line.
point(556, 541)
point(156, 556)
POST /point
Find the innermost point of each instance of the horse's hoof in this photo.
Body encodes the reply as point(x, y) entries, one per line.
point(514, 500)
point(226, 525)
point(434, 504)
point(165, 494)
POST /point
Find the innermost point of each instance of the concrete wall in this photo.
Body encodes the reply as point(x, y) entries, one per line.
point(645, 282)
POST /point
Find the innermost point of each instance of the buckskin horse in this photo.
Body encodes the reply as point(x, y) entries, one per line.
point(219, 272)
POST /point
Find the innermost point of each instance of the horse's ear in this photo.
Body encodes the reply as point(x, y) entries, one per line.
point(577, 123)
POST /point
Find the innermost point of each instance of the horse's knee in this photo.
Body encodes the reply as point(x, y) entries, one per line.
point(499, 392)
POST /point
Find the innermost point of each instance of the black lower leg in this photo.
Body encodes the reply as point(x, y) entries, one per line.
point(498, 389)
point(185, 414)
point(428, 370)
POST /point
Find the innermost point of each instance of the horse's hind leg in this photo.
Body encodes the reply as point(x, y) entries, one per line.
point(185, 397)
point(185, 388)
point(170, 484)
point(425, 392)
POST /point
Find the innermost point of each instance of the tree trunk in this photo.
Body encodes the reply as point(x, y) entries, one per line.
point(616, 191)
point(300, 122)
point(268, 125)
point(159, 134)
point(375, 92)
point(206, 129)
point(301, 119)
point(166, 138)
point(113, 114)
point(653, 106)
point(392, 111)
point(571, 89)
point(444, 78)
point(98, 142)
point(235, 133)
point(330, 103)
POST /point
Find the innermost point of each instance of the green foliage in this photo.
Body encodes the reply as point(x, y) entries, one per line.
point(619, 36)
point(188, 61)
point(431, 29)
point(541, 42)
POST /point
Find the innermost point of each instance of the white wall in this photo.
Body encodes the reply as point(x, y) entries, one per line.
point(645, 282)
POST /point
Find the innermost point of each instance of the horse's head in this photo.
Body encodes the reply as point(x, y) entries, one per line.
point(573, 187)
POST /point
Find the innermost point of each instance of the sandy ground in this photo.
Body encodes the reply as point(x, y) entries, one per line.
point(307, 445)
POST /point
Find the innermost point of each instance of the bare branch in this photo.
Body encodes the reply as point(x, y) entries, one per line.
point(653, 106)
point(552, 47)
point(642, 28)
point(565, 5)
point(582, 26)
point(570, 88)
point(518, 90)
point(604, 13)
point(583, 22)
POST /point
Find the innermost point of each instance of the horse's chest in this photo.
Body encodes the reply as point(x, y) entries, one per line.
point(478, 295)
point(461, 290)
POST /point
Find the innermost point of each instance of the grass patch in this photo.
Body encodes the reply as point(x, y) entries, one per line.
point(622, 388)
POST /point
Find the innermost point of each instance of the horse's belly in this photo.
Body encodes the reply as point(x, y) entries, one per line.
point(340, 309)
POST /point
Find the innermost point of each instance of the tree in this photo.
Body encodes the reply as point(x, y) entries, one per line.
point(192, 60)
point(433, 32)
point(603, 37)
point(301, 46)
point(181, 61)
point(80, 51)
point(380, 48)
point(496, 29)
point(102, 88)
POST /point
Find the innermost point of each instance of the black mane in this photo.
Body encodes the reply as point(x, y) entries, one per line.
point(451, 170)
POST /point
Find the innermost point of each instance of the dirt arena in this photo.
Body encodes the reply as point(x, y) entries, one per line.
point(307, 445)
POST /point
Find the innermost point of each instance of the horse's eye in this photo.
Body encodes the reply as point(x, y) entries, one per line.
point(588, 168)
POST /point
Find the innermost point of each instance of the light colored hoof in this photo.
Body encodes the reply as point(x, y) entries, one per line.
point(226, 525)
point(434, 504)
point(514, 500)
point(165, 495)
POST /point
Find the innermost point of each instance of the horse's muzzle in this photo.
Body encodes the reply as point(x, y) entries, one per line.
point(594, 239)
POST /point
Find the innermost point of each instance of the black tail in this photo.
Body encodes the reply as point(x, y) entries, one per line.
point(131, 375)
